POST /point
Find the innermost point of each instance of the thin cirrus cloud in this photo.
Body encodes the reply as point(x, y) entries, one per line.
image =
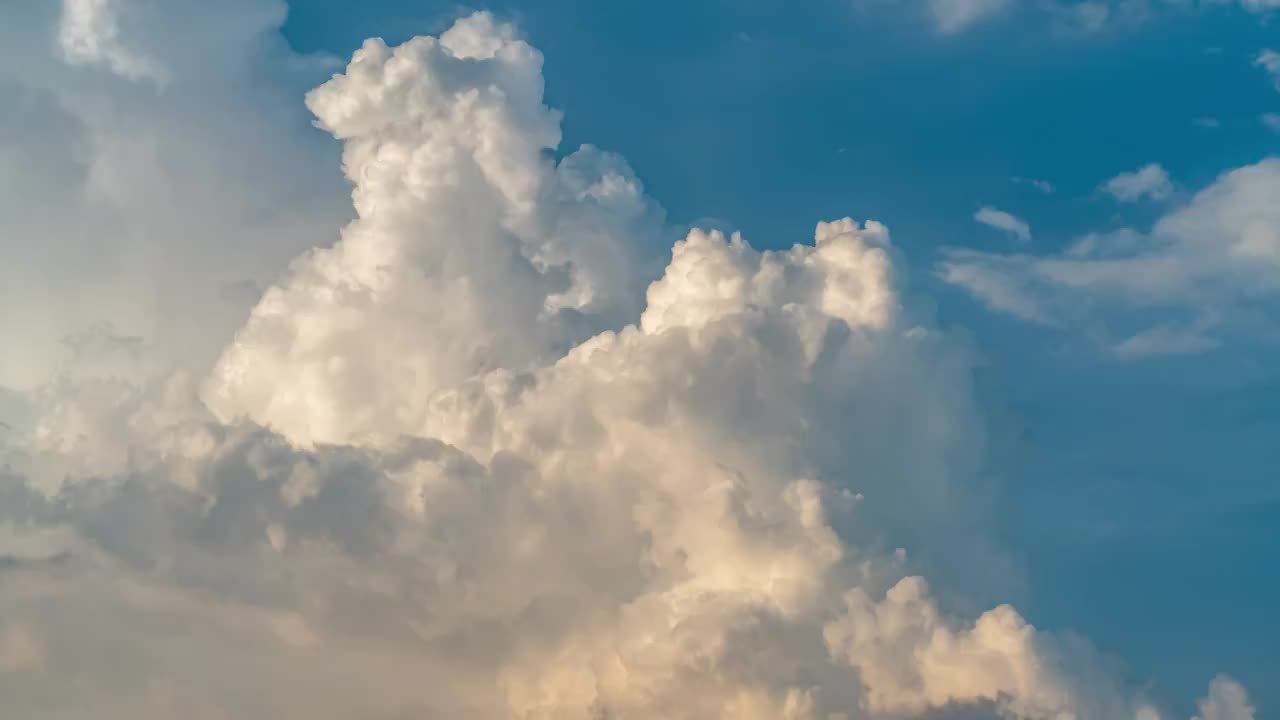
point(955, 16)
point(1043, 186)
point(478, 450)
point(1269, 60)
point(1207, 267)
point(1005, 222)
point(947, 17)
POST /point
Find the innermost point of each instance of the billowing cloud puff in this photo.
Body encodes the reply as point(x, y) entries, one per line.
point(480, 459)
point(1226, 701)
point(466, 234)
point(912, 660)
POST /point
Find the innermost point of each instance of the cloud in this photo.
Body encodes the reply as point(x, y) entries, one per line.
point(89, 34)
point(1043, 186)
point(1164, 341)
point(951, 17)
point(988, 276)
point(1271, 121)
point(1149, 181)
point(1205, 268)
point(947, 17)
point(956, 15)
point(483, 456)
point(139, 206)
point(1226, 701)
point(20, 650)
point(555, 252)
point(912, 659)
point(1093, 15)
point(1269, 60)
point(1001, 220)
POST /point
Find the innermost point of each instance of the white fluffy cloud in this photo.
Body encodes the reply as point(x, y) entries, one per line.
point(1226, 701)
point(466, 233)
point(1205, 268)
point(1149, 181)
point(480, 459)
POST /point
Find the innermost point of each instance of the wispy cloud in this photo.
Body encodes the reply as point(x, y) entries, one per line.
point(1269, 60)
point(1005, 222)
point(1043, 186)
point(955, 15)
point(1206, 267)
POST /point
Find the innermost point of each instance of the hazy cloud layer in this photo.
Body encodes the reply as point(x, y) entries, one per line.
point(159, 208)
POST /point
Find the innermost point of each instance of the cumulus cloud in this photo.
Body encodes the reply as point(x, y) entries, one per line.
point(1203, 269)
point(1005, 222)
point(443, 139)
point(481, 458)
point(1149, 181)
point(1226, 701)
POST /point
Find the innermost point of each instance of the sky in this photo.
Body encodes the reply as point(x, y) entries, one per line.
point(886, 359)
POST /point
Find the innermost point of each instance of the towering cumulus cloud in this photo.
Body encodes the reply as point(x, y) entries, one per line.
point(472, 249)
point(484, 459)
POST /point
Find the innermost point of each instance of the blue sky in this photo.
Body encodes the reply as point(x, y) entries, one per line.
point(1154, 476)
point(1085, 226)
